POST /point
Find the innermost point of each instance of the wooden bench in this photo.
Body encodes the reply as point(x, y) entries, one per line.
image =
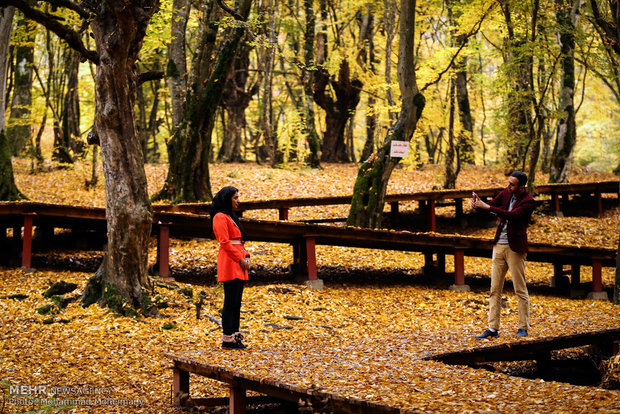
point(239, 383)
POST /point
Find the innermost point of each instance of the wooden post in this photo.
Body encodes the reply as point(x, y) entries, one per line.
point(441, 264)
point(428, 263)
point(27, 242)
point(180, 386)
point(430, 215)
point(458, 207)
point(556, 203)
point(163, 248)
point(459, 271)
point(311, 257)
point(459, 266)
point(575, 278)
point(237, 400)
point(597, 275)
point(283, 213)
point(599, 204)
point(394, 211)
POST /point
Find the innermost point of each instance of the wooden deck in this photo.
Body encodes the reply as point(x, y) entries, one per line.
point(238, 384)
point(302, 237)
point(537, 349)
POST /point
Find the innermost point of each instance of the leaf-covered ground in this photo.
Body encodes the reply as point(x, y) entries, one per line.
point(364, 340)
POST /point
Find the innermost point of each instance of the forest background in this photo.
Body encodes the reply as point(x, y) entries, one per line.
point(496, 82)
point(492, 74)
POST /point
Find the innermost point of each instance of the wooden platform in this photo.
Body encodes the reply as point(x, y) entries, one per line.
point(536, 349)
point(301, 236)
point(238, 384)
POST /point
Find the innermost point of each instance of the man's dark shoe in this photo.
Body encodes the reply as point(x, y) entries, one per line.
point(521, 332)
point(488, 334)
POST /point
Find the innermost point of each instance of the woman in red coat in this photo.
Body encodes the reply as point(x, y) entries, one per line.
point(233, 262)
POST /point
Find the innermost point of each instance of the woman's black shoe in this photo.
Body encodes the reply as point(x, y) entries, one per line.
point(233, 345)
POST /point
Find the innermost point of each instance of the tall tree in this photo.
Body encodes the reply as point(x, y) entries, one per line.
point(8, 189)
point(345, 90)
point(176, 68)
point(18, 128)
point(189, 148)
point(366, 59)
point(373, 176)
point(567, 12)
point(608, 22)
point(118, 28)
point(314, 142)
point(269, 131)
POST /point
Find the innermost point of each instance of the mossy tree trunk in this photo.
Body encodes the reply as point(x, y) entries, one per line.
point(189, 149)
point(19, 130)
point(122, 277)
point(374, 174)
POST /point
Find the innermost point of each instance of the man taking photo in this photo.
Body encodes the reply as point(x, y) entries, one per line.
point(513, 206)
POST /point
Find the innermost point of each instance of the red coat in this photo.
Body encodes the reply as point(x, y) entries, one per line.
point(518, 218)
point(228, 267)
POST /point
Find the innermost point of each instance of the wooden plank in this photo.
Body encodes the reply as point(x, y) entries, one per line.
point(526, 350)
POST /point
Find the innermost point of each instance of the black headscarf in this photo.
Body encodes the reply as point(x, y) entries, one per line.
point(222, 203)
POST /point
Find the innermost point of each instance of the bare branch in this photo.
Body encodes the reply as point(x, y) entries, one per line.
point(50, 22)
point(230, 11)
point(149, 76)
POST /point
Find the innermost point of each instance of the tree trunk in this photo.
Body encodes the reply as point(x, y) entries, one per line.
point(176, 69)
point(120, 281)
point(268, 53)
point(235, 100)
point(451, 172)
point(466, 134)
point(373, 176)
point(389, 17)
point(367, 60)
point(617, 285)
point(314, 142)
point(338, 112)
point(8, 189)
point(518, 100)
point(190, 147)
point(19, 130)
point(71, 109)
point(566, 16)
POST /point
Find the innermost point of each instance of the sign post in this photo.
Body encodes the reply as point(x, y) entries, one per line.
point(399, 149)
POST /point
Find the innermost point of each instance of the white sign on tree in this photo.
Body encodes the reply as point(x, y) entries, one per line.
point(399, 149)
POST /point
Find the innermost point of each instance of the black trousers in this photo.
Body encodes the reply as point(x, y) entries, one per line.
point(231, 313)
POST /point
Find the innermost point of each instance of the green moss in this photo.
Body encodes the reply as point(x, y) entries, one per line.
point(59, 288)
point(92, 292)
point(59, 301)
point(171, 69)
point(45, 309)
point(170, 325)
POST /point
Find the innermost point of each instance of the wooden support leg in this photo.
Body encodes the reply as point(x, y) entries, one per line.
point(180, 386)
point(428, 263)
point(458, 208)
point(394, 211)
point(599, 204)
point(430, 215)
point(163, 248)
point(27, 243)
point(556, 204)
point(283, 213)
point(597, 280)
point(311, 252)
point(441, 264)
point(459, 271)
point(237, 400)
point(575, 277)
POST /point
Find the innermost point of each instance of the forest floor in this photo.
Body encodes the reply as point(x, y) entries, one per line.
point(363, 336)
